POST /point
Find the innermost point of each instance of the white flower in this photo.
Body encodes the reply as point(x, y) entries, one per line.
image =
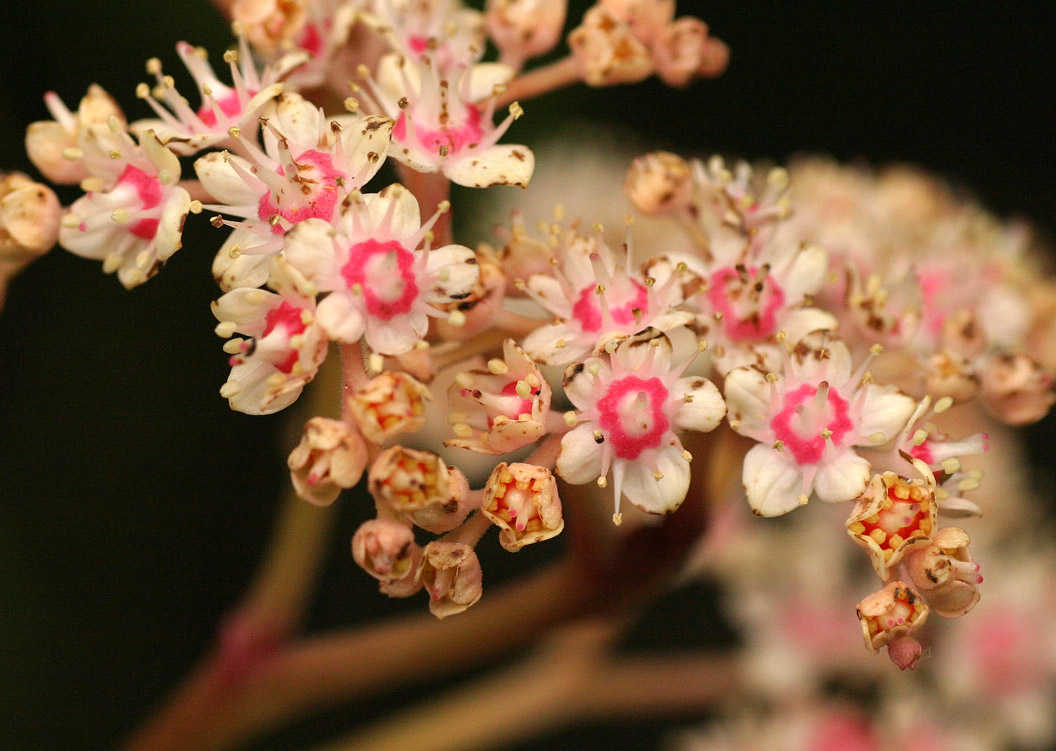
point(808, 421)
point(381, 284)
point(132, 217)
point(628, 409)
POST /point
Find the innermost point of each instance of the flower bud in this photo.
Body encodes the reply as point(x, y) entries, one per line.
point(905, 652)
point(29, 223)
point(890, 614)
point(478, 309)
point(1015, 389)
point(451, 574)
point(269, 23)
point(502, 408)
point(679, 50)
point(420, 486)
point(945, 574)
point(47, 140)
point(521, 499)
point(607, 50)
point(390, 404)
point(386, 550)
point(523, 29)
point(659, 183)
point(892, 516)
point(963, 334)
point(949, 374)
point(522, 256)
point(644, 17)
point(330, 456)
point(714, 58)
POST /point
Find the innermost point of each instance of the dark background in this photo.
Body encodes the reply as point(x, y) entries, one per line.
point(127, 529)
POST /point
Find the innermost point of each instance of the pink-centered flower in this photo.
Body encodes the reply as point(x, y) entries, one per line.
point(808, 421)
point(628, 409)
point(444, 122)
point(381, 283)
point(596, 294)
point(132, 216)
point(187, 130)
point(309, 164)
point(284, 346)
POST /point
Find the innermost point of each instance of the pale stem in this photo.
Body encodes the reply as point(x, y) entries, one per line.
point(353, 376)
point(471, 531)
point(572, 678)
point(515, 324)
point(556, 75)
point(545, 454)
point(197, 191)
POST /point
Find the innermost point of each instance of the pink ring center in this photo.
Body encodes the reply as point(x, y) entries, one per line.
point(385, 273)
point(632, 413)
point(286, 319)
point(748, 301)
point(449, 137)
point(148, 194)
point(310, 194)
point(587, 309)
point(800, 423)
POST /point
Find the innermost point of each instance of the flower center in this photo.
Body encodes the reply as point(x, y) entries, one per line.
point(748, 299)
point(451, 135)
point(632, 413)
point(587, 309)
point(286, 319)
point(385, 273)
point(139, 191)
point(311, 193)
point(809, 415)
point(229, 104)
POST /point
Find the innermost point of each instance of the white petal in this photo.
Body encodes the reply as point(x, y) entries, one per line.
point(801, 321)
point(550, 290)
point(365, 141)
point(806, 274)
point(169, 237)
point(246, 308)
point(579, 461)
point(484, 77)
point(456, 270)
point(310, 249)
point(842, 478)
point(392, 338)
point(772, 484)
point(748, 397)
point(706, 409)
point(886, 410)
point(245, 270)
point(253, 397)
point(653, 496)
point(497, 165)
point(406, 217)
point(555, 344)
point(811, 366)
point(340, 317)
point(223, 183)
point(579, 383)
point(298, 120)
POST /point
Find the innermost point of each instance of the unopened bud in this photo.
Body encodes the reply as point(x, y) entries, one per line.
point(894, 612)
point(945, 574)
point(420, 486)
point(386, 550)
point(659, 183)
point(451, 574)
point(390, 404)
point(521, 499)
point(330, 457)
point(892, 516)
point(1015, 389)
point(608, 51)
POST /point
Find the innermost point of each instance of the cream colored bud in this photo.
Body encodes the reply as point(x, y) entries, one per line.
point(386, 550)
point(659, 183)
point(962, 333)
point(50, 143)
point(1015, 389)
point(607, 50)
point(29, 224)
point(945, 574)
point(269, 23)
point(330, 457)
point(523, 29)
point(679, 51)
point(644, 17)
point(522, 500)
point(894, 612)
point(420, 486)
point(451, 574)
point(390, 404)
point(949, 374)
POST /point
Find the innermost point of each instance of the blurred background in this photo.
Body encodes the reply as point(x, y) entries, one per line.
point(134, 504)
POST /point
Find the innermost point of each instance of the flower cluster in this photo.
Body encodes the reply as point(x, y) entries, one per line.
point(820, 332)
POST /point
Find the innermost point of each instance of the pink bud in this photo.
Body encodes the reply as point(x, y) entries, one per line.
point(385, 549)
point(418, 485)
point(904, 652)
point(451, 574)
point(330, 456)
